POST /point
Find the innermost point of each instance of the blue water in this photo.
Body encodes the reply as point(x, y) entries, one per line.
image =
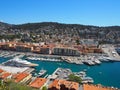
point(3, 59)
point(107, 74)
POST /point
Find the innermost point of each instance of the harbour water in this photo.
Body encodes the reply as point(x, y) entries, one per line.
point(107, 74)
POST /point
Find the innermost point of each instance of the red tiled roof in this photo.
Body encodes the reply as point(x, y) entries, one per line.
point(96, 87)
point(5, 75)
point(20, 76)
point(1, 70)
point(38, 82)
point(68, 84)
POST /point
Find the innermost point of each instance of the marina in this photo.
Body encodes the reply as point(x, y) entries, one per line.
point(60, 45)
point(90, 59)
point(100, 73)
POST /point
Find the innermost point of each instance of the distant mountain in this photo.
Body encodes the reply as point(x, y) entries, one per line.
point(33, 26)
point(55, 25)
point(4, 26)
point(38, 31)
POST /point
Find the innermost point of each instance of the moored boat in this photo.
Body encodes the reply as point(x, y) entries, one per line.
point(17, 62)
point(42, 72)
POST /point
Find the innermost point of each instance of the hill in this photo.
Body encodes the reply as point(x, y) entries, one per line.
point(59, 32)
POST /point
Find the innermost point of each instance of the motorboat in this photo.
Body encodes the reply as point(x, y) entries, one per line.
point(42, 72)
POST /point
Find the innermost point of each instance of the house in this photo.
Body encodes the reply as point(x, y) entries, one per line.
point(97, 87)
point(1, 71)
point(22, 77)
point(63, 85)
point(38, 83)
point(5, 75)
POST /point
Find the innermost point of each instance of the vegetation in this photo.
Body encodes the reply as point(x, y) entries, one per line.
point(10, 37)
point(77, 41)
point(74, 78)
point(44, 88)
point(10, 85)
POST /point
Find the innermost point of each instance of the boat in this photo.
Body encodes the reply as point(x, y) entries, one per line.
point(89, 62)
point(80, 74)
point(42, 72)
point(17, 62)
point(118, 50)
point(97, 61)
point(87, 80)
point(104, 59)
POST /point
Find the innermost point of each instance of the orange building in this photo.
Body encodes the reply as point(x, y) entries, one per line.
point(1, 71)
point(46, 49)
point(96, 87)
point(7, 46)
point(38, 83)
point(5, 75)
point(63, 85)
point(22, 77)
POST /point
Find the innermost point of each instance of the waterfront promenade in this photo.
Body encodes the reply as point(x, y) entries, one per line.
point(89, 59)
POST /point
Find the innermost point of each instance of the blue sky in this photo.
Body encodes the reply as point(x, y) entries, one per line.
point(88, 12)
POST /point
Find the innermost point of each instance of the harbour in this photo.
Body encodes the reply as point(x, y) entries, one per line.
point(60, 45)
point(100, 73)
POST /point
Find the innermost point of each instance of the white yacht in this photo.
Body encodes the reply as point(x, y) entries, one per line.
point(19, 63)
point(97, 61)
point(42, 72)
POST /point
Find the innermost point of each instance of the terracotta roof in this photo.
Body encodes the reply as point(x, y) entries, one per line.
point(96, 87)
point(38, 82)
point(68, 84)
point(20, 76)
point(75, 85)
point(54, 84)
point(5, 75)
point(1, 71)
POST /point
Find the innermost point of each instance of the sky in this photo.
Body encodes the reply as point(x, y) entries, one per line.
point(87, 12)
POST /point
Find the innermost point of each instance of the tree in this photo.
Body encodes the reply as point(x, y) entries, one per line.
point(10, 85)
point(74, 78)
point(44, 88)
point(77, 41)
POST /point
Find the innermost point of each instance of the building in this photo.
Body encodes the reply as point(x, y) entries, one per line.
point(24, 48)
point(5, 75)
point(1, 71)
point(97, 87)
point(36, 49)
point(7, 46)
point(90, 42)
point(65, 51)
point(44, 50)
point(63, 85)
point(22, 77)
point(38, 83)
